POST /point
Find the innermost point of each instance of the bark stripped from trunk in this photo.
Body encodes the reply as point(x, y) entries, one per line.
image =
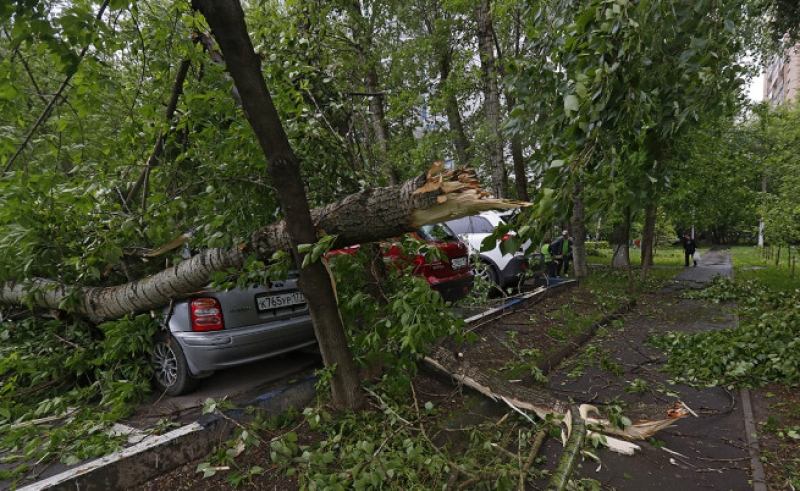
point(646, 419)
point(572, 449)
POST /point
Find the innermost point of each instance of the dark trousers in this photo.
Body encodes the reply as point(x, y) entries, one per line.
point(688, 256)
point(562, 266)
point(552, 269)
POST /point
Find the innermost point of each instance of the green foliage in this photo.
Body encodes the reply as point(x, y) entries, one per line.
point(764, 348)
point(392, 447)
point(395, 325)
point(758, 264)
point(77, 380)
point(316, 250)
point(621, 85)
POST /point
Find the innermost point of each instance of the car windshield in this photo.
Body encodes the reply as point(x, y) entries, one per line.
point(471, 225)
point(437, 233)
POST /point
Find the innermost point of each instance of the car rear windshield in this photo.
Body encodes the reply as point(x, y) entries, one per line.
point(437, 233)
point(471, 225)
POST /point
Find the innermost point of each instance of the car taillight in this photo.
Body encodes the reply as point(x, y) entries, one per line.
point(206, 314)
point(508, 236)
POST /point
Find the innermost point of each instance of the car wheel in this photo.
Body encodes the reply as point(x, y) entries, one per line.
point(486, 272)
point(170, 370)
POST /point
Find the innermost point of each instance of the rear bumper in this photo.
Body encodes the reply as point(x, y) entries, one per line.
point(511, 275)
point(453, 289)
point(209, 351)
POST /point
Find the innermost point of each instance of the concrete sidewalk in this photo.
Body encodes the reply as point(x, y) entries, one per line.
point(712, 451)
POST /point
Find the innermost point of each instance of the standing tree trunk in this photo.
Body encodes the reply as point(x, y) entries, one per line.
point(620, 238)
point(226, 19)
point(158, 148)
point(380, 127)
point(460, 141)
point(648, 238)
point(579, 232)
point(491, 103)
point(761, 212)
point(520, 176)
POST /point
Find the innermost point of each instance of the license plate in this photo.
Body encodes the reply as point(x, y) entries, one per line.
point(271, 302)
point(458, 263)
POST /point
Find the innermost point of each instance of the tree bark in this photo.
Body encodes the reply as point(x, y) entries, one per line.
point(492, 99)
point(226, 19)
point(460, 141)
point(369, 216)
point(620, 238)
point(158, 148)
point(380, 127)
point(579, 232)
point(520, 175)
point(648, 238)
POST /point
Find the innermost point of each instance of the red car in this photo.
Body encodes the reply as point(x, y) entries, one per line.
point(451, 276)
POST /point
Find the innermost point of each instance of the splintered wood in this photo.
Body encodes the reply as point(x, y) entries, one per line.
point(460, 195)
point(541, 402)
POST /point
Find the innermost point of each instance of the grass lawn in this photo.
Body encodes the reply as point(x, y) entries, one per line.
point(752, 262)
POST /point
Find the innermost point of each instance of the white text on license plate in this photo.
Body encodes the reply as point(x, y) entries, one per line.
point(458, 263)
point(278, 301)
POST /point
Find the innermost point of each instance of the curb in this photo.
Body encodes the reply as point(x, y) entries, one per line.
point(759, 477)
point(158, 454)
point(515, 304)
point(577, 342)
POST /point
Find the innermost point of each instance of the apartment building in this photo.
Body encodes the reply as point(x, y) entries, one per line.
point(782, 77)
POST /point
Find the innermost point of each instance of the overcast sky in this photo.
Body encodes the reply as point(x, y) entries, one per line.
point(756, 89)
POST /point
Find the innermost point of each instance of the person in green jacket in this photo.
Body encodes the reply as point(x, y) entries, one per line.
point(561, 250)
point(548, 258)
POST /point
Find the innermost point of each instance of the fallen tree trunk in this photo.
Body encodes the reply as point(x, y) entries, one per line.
point(368, 216)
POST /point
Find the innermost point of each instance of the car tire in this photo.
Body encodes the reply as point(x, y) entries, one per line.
point(170, 371)
point(487, 272)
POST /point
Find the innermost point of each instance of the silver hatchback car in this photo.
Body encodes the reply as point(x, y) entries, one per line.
point(221, 329)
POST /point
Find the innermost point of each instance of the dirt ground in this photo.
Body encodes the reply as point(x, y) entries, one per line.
point(603, 369)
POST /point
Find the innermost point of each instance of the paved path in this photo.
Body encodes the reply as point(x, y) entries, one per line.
point(710, 452)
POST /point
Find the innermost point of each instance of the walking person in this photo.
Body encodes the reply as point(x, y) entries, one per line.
point(561, 248)
point(548, 258)
point(689, 248)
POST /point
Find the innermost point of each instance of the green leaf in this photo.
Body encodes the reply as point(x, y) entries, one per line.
point(571, 104)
